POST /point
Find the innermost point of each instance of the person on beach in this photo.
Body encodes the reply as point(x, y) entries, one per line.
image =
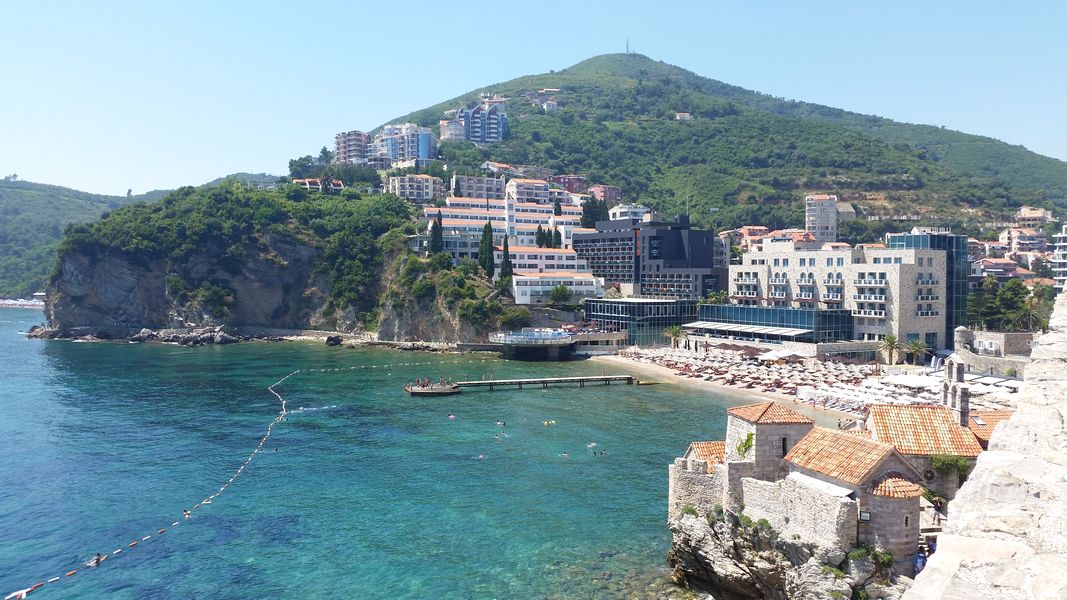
point(938, 505)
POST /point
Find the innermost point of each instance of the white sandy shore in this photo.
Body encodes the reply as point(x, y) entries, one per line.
point(822, 416)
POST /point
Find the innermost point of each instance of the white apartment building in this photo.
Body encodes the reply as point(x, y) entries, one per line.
point(889, 291)
point(350, 147)
point(628, 211)
point(820, 216)
point(1023, 239)
point(1030, 216)
point(450, 130)
point(535, 288)
point(531, 259)
point(418, 188)
point(527, 190)
point(468, 186)
point(1059, 259)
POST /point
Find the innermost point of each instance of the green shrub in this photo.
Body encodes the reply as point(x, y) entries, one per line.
point(763, 524)
point(689, 509)
point(424, 289)
point(837, 573)
point(441, 261)
point(745, 520)
point(514, 319)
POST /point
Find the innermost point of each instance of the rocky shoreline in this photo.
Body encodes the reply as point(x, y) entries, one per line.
point(226, 334)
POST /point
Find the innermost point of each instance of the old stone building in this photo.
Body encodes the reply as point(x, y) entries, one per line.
point(835, 488)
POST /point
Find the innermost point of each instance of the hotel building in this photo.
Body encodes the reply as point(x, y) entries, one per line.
point(350, 147)
point(820, 216)
point(418, 188)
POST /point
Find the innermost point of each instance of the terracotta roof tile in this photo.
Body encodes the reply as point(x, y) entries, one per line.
point(989, 420)
point(713, 452)
point(849, 458)
point(921, 430)
point(894, 484)
point(767, 413)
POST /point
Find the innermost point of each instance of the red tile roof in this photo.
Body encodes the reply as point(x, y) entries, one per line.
point(922, 430)
point(766, 413)
point(713, 452)
point(894, 484)
point(849, 458)
point(989, 419)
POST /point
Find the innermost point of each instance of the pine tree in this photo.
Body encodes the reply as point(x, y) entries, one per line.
point(437, 236)
point(485, 251)
point(540, 237)
point(505, 263)
point(556, 208)
point(557, 239)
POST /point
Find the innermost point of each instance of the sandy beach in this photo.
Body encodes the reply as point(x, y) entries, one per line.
point(822, 416)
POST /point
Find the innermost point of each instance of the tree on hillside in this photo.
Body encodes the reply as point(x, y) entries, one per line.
point(557, 238)
point(352, 174)
point(325, 156)
point(556, 208)
point(303, 167)
point(539, 237)
point(560, 294)
point(890, 346)
point(505, 263)
point(485, 251)
point(592, 211)
point(437, 235)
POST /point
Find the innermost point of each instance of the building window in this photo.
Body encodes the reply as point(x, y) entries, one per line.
point(907, 520)
point(783, 447)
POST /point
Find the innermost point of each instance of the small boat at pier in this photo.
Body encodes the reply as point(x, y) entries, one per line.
point(436, 389)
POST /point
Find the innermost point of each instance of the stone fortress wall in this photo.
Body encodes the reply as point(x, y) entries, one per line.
point(1006, 535)
point(799, 511)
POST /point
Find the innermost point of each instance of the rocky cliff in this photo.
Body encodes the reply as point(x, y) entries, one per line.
point(737, 560)
point(105, 290)
point(1006, 535)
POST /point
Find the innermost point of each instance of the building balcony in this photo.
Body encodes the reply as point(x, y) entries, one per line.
point(927, 313)
point(740, 279)
point(831, 297)
point(829, 281)
point(869, 297)
point(779, 282)
point(921, 298)
point(746, 294)
point(861, 312)
point(926, 282)
point(874, 282)
point(778, 294)
point(804, 295)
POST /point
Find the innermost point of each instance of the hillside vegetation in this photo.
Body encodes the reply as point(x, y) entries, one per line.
point(32, 219)
point(616, 123)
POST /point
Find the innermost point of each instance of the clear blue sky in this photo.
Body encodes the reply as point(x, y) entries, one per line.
point(106, 96)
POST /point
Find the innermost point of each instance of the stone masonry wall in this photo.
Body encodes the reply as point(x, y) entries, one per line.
point(794, 509)
point(1007, 529)
point(894, 527)
point(736, 432)
point(768, 448)
point(691, 485)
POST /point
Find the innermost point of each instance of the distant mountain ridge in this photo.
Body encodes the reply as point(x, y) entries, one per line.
point(33, 217)
point(616, 123)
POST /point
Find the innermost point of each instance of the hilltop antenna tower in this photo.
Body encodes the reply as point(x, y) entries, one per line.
point(627, 44)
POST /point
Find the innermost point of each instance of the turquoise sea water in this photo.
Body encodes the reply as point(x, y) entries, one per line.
point(363, 493)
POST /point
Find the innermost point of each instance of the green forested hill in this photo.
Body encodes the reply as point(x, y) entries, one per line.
point(744, 148)
point(32, 219)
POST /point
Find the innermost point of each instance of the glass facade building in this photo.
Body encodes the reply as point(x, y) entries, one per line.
point(772, 323)
point(957, 269)
point(643, 319)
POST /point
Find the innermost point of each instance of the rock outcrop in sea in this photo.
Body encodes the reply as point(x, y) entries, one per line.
point(1006, 535)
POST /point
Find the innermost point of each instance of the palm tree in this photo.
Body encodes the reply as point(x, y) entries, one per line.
point(1032, 315)
point(917, 349)
point(889, 346)
point(675, 333)
point(719, 297)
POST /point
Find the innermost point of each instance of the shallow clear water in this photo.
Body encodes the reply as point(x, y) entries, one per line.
point(363, 493)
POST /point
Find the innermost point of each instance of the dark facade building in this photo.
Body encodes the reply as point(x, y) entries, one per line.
point(660, 259)
point(774, 324)
point(644, 319)
point(957, 269)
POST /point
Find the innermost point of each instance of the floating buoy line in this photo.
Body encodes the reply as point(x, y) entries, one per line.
point(98, 560)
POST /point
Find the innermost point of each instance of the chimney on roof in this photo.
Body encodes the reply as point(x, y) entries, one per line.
point(963, 410)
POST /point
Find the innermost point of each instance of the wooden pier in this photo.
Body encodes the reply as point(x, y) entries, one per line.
point(544, 382)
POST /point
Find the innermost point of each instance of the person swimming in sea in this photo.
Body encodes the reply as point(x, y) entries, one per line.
point(186, 513)
point(451, 417)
